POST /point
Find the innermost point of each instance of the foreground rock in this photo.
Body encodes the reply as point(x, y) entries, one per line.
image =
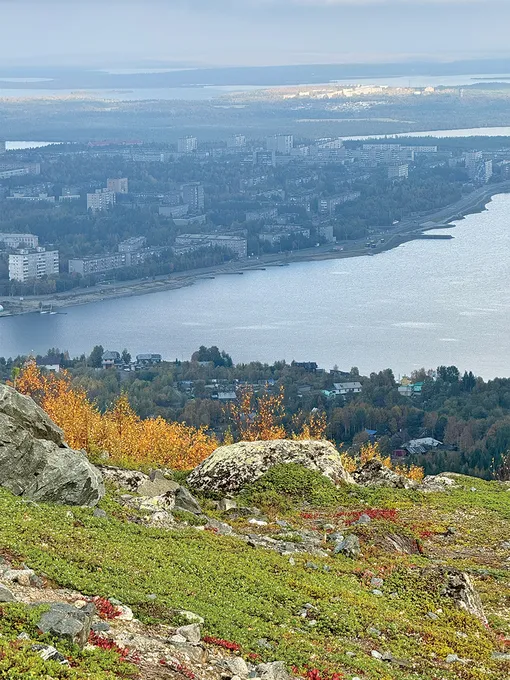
point(34, 460)
point(68, 622)
point(230, 468)
point(156, 492)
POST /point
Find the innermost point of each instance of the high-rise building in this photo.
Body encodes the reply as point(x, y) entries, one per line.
point(101, 199)
point(236, 142)
point(398, 171)
point(280, 143)
point(472, 160)
point(193, 195)
point(33, 264)
point(118, 186)
point(187, 144)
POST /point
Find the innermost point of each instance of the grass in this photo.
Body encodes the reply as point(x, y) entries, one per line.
point(247, 595)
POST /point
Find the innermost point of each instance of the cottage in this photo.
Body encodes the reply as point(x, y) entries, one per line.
point(49, 364)
point(110, 359)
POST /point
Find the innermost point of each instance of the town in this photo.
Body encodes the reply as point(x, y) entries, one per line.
point(78, 215)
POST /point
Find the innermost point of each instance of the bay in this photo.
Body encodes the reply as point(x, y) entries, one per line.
point(426, 303)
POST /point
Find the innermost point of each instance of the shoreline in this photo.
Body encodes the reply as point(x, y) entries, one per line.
point(411, 229)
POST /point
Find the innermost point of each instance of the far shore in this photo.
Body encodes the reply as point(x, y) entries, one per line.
point(410, 229)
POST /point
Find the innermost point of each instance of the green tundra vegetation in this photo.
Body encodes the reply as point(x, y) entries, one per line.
point(247, 595)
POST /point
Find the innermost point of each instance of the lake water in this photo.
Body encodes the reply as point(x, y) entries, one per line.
point(423, 304)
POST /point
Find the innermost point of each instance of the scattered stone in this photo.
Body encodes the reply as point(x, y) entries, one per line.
point(156, 485)
point(377, 582)
point(220, 527)
point(350, 547)
point(185, 501)
point(258, 522)
point(6, 595)
point(364, 520)
point(374, 631)
point(273, 671)
point(377, 592)
point(20, 576)
point(452, 658)
point(292, 562)
point(227, 504)
point(230, 468)
point(432, 616)
point(500, 656)
point(67, 622)
point(100, 514)
point(190, 633)
point(235, 666)
point(335, 537)
point(311, 565)
point(35, 463)
point(437, 483)
point(190, 616)
point(124, 479)
point(387, 656)
point(100, 627)
point(49, 653)
point(376, 654)
point(125, 613)
point(451, 531)
point(399, 543)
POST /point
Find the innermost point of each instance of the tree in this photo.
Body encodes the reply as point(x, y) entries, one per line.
point(126, 356)
point(96, 357)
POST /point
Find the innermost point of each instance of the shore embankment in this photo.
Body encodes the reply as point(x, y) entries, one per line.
point(411, 228)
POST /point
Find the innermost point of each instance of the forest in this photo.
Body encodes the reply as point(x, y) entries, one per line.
point(470, 416)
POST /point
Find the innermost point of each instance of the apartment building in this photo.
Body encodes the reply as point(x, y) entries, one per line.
point(101, 199)
point(26, 265)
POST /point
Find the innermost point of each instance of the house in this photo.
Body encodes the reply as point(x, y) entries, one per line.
point(423, 445)
point(409, 389)
point(148, 359)
point(347, 388)
point(110, 359)
point(306, 365)
point(49, 364)
point(227, 396)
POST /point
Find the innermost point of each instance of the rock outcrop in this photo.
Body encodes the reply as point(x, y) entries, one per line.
point(35, 462)
point(230, 468)
point(375, 474)
point(458, 587)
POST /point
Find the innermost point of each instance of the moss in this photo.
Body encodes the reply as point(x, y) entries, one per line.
point(245, 595)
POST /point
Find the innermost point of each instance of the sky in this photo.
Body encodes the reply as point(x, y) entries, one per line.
point(249, 32)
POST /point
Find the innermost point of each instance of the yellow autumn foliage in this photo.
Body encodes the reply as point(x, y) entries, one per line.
point(128, 439)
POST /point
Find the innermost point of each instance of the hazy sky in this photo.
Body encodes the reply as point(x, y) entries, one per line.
point(250, 31)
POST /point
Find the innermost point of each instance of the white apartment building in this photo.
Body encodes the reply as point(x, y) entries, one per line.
point(118, 186)
point(187, 144)
point(280, 143)
point(236, 142)
point(101, 199)
point(19, 240)
point(33, 264)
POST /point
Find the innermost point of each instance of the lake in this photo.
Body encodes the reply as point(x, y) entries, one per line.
point(423, 304)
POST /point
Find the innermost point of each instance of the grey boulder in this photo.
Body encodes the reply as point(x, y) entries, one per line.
point(350, 547)
point(6, 595)
point(68, 622)
point(230, 468)
point(459, 588)
point(35, 463)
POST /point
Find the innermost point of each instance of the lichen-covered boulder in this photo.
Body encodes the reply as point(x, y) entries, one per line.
point(35, 463)
point(230, 468)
